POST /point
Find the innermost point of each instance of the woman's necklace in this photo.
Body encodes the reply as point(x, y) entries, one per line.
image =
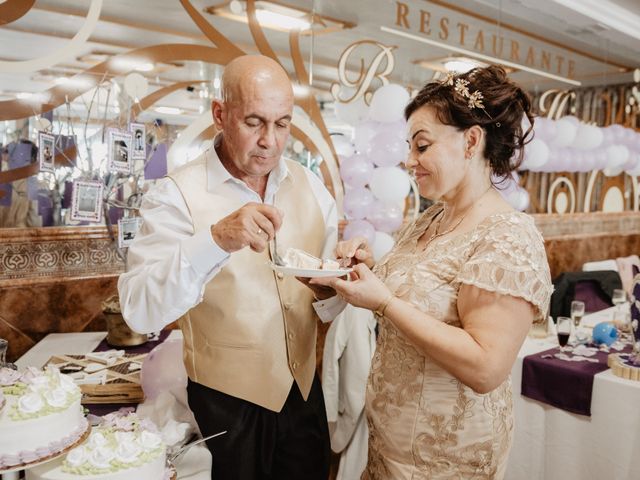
point(436, 230)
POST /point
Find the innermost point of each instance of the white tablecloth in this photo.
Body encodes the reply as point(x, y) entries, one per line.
point(552, 444)
point(549, 443)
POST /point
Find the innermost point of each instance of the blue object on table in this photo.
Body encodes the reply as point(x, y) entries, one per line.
point(605, 332)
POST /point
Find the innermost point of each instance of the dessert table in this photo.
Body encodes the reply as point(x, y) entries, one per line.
point(194, 465)
point(549, 443)
point(553, 444)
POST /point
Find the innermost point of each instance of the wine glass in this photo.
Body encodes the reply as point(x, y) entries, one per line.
point(563, 326)
point(619, 297)
point(577, 312)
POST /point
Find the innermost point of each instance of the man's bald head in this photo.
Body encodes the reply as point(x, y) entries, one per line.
point(253, 117)
point(250, 74)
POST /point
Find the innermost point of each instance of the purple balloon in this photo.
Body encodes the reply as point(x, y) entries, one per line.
point(356, 171)
point(359, 228)
point(388, 149)
point(358, 203)
point(163, 370)
point(386, 217)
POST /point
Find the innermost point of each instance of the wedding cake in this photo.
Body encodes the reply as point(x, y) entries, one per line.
point(40, 415)
point(296, 258)
point(121, 447)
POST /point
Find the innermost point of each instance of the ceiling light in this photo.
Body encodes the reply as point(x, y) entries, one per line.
point(169, 110)
point(145, 67)
point(61, 80)
point(270, 19)
point(277, 16)
point(23, 95)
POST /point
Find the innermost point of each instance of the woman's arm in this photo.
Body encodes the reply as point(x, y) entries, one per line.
point(482, 352)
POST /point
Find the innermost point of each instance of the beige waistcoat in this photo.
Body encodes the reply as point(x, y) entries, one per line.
point(254, 333)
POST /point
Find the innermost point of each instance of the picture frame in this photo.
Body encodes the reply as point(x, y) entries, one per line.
point(120, 151)
point(86, 201)
point(46, 152)
point(127, 230)
point(139, 142)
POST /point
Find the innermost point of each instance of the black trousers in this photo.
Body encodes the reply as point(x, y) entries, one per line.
point(261, 444)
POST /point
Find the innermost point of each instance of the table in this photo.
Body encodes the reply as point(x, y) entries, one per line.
point(195, 465)
point(552, 444)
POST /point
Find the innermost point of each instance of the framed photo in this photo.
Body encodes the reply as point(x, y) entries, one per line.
point(139, 147)
point(127, 230)
point(86, 201)
point(120, 151)
point(46, 152)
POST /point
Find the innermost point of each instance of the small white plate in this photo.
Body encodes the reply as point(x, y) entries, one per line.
point(310, 272)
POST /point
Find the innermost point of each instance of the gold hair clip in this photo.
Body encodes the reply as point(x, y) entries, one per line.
point(474, 100)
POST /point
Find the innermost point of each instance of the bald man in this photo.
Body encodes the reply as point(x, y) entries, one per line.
point(202, 257)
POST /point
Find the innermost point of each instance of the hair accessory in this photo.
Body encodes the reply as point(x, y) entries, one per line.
point(461, 87)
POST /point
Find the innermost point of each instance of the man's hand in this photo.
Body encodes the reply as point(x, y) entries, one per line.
point(252, 225)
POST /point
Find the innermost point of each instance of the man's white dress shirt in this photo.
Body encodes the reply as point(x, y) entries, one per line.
point(168, 268)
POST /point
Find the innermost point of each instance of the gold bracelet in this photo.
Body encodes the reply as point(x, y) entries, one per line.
point(383, 306)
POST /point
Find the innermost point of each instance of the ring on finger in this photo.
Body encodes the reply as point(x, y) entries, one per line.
point(259, 231)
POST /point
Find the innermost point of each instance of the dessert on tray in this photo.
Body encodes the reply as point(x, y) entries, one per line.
point(40, 416)
point(296, 258)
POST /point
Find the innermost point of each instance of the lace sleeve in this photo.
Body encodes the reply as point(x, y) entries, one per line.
point(510, 259)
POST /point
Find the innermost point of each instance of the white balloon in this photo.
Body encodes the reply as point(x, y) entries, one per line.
point(566, 130)
point(382, 245)
point(634, 170)
point(536, 154)
point(343, 147)
point(390, 184)
point(519, 199)
point(136, 86)
point(388, 102)
point(617, 156)
point(42, 124)
point(584, 137)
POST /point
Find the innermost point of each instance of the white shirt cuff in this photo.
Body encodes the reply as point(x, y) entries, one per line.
point(203, 253)
point(330, 308)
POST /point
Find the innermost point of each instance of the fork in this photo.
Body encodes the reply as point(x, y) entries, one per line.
point(275, 256)
point(182, 450)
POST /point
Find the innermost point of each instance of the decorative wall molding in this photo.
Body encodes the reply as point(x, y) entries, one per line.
point(587, 224)
point(44, 255)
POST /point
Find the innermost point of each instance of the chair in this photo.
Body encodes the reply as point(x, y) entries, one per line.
point(594, 288)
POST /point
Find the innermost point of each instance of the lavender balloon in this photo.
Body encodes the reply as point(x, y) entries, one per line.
point(360, 228)
point(388, 149)
point(386, 217)
point(356, 171)
point(358, 203)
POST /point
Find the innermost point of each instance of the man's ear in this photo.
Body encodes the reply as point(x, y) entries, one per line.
point(217, 111)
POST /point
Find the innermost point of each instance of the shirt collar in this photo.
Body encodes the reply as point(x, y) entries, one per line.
point(217, 174)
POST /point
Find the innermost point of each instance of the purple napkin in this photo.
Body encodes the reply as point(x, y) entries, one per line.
point(563, 384)
point(146, 347)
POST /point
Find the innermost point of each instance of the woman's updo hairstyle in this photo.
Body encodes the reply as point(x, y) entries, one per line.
point(498, 108)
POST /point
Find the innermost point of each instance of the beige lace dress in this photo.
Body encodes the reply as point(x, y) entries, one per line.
point(425, 424)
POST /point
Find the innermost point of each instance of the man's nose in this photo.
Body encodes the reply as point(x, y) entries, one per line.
point(268, 137)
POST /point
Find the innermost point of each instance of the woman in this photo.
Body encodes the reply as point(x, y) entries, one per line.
point(456, 296)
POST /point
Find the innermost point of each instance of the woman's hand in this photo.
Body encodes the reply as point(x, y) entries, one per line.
point(354, 251)
point(363, 290)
